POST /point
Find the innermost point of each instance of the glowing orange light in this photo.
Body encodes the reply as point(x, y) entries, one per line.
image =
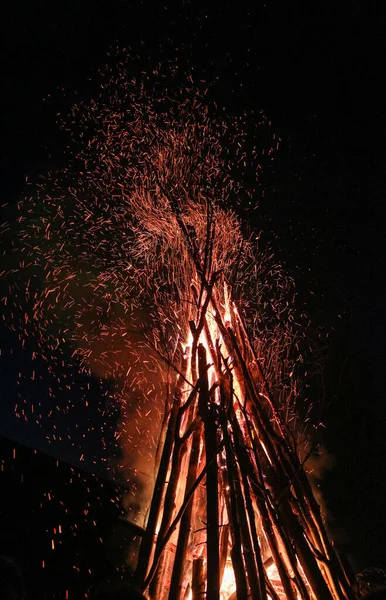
point(228, 584)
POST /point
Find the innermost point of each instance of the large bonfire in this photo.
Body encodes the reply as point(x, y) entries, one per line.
point(148, 275)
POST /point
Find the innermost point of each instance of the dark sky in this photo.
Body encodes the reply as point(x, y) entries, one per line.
point(315, 72)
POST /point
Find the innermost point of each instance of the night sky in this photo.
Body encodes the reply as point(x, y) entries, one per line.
point(314, 73)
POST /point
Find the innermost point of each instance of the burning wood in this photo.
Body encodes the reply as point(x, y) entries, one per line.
point(254, 483)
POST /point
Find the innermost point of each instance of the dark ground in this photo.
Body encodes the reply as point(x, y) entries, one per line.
point(58, 522)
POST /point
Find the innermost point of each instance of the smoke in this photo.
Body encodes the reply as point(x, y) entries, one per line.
point(318, 463)
point(106, 341)
point(63, 313)
point(318, 467)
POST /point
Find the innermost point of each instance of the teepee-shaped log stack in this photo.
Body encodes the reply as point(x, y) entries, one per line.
point(233, 513)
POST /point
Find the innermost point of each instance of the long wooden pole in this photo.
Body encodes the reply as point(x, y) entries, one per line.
point(186, 520)
point(207, 411)
point(228, 477)
point(158, 494)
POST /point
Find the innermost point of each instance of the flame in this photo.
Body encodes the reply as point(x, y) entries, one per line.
point(228, 584)
point(274, 578)
point(187, 344)
point(227, 308)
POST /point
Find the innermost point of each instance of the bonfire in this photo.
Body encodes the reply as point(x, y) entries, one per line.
point(150, 276)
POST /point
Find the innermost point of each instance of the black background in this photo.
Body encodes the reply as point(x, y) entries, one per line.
point(315, 71)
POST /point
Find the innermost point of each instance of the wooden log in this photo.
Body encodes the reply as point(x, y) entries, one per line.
point(175, 523)
point(164, 426)
point(198, 579)
point(308, 509)
point(171, 490)
point(148, 540)
point(288, 525)
point(244, 464)
point(306, 557)
point(275, 549)
point(207, 411)
point(334, 570)
point(248, 552)
point(228, 477)
point(224, 546)
point(185, 525)
point(284, 575)
point(271, 522)
point(168, 505)
point(263, 507)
